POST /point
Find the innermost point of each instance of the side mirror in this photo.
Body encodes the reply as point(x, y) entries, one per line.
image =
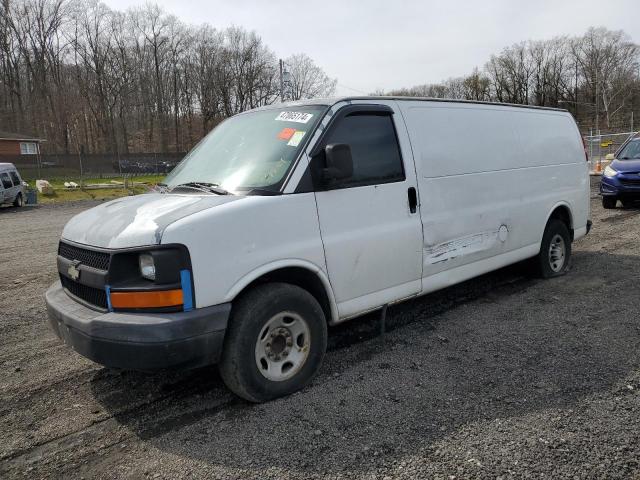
point(339, 162)
point(609, 156)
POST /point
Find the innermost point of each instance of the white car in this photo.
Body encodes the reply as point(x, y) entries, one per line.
point(12, 189)
point(290, 218)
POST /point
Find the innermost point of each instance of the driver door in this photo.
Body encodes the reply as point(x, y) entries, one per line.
point(370, 223)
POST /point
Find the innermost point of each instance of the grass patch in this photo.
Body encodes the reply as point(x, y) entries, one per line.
point(64, 195)
point(58, 182)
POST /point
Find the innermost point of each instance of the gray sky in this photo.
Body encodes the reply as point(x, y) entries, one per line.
point(385, 44)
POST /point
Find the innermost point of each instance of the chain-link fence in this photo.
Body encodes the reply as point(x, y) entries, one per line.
point(74, 166)
point(602, 144)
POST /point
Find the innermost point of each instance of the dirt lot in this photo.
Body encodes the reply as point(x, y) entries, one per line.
point(503, 376)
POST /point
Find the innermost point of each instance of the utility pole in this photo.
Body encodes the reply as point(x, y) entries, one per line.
point(281, 81)
point(597, 103)
point(576, 91)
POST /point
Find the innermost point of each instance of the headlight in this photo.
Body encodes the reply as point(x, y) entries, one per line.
point(609, 172)
point(147, 266)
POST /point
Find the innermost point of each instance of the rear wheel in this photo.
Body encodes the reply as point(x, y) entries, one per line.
point(555, 250)
point(275, 342)
point(19, 201)
point(609, 202)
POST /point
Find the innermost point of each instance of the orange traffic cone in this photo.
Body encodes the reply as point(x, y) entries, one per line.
point(598, 167)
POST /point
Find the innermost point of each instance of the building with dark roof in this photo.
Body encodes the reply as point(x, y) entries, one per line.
point(16, 144)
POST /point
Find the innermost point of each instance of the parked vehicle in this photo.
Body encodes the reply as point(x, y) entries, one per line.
point(621, 178)
point(12, 190)
point(286, 219)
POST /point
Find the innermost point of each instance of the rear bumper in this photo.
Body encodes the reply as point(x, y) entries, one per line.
point(139, 341)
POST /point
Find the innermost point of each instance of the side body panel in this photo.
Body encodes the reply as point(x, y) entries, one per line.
point(489, 177)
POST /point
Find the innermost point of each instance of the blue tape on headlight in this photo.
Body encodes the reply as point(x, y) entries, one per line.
point(187, 292)
point(107, 289)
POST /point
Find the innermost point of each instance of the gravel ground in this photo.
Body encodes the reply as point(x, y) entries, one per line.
point(503, 376)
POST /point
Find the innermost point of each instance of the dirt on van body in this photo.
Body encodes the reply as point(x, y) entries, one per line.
point(504, 376)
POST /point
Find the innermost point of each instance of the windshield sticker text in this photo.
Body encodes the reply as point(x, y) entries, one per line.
point(298, 117)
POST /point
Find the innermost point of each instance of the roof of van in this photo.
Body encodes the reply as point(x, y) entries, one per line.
point(332, 100)
point(7, 165)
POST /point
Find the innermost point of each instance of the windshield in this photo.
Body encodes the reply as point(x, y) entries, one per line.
point(254, 150)
point(630, 151)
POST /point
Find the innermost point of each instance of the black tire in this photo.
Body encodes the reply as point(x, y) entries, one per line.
point(629, 203)
point(18, 202)
point(609, 202)
point(250, 315)
point(548, 265)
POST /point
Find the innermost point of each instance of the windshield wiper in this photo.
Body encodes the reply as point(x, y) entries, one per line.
point(204, 187)
point(262, 191)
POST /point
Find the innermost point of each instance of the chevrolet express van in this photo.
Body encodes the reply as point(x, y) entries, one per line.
point(287, 219)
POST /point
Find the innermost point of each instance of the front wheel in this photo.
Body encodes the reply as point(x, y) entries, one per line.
point(19, 201)
point(275, 342)
point(555, 250)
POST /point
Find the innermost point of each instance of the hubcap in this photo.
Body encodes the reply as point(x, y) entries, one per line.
point(282, 346)
point(557, 252)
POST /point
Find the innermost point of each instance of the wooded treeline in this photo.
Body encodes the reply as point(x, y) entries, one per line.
point(90, 78)
point(596, 76)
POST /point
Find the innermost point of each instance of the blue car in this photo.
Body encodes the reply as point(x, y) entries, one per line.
point(621, 179)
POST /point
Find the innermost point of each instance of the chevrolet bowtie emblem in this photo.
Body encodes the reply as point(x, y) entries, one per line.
point(73, 271)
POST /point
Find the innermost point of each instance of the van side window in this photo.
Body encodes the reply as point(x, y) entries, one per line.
point(6, 181)
point(374, 148)
point(15, 178)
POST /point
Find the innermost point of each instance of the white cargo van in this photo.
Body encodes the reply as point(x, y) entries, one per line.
point(286, 219)
point(12, 189)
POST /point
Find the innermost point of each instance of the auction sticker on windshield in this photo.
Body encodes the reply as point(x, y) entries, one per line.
point(298, 117)
point(296, 138)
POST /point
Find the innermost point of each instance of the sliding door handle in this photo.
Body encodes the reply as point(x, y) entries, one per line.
point(413, 199)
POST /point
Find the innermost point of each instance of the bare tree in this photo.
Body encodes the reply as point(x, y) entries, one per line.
point(608, 61)
point(307, 79)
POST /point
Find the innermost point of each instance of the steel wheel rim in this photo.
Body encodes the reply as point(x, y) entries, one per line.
point(282, 346)
point(557, 253)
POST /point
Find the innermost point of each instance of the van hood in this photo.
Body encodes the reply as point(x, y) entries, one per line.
point(138, 220)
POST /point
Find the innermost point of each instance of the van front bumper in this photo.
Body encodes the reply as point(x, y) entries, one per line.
point(139, 341)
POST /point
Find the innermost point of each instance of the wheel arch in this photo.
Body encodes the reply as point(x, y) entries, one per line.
point(301, 273)
point(561, 211)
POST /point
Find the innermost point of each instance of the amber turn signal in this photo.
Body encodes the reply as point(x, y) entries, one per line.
point(149, 299)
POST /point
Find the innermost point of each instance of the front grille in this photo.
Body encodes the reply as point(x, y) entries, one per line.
point(90, 258)
point(94, 296)
point(630, 182)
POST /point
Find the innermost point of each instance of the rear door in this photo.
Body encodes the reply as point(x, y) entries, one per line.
point(369, 223)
